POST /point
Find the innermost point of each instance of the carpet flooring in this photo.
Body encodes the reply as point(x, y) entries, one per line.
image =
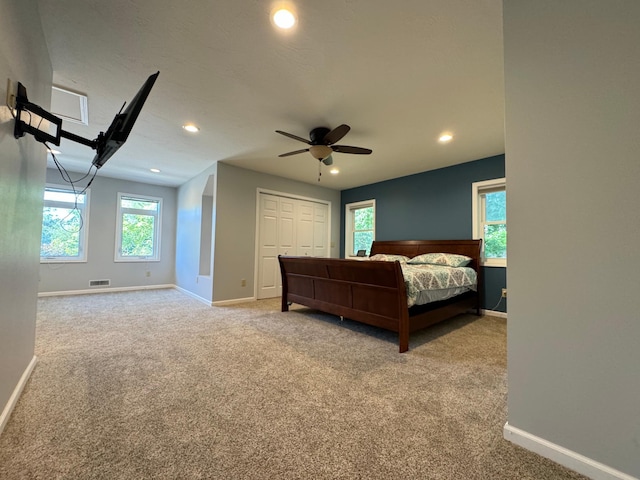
point(155, 385)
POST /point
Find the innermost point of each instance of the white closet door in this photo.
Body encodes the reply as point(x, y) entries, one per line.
point(305, 228)
point(287, 226)
point(268, 269)
point(320, 230)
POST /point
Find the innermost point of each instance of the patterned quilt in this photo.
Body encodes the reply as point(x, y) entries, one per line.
point(431, 283)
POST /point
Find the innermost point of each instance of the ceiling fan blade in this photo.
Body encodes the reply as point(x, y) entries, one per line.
point(295, 137)
point(294, 153)
point(336, 134)
point(348, 149)
point(328, 160)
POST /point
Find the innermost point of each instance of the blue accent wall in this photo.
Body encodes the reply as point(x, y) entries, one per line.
point(433, 205)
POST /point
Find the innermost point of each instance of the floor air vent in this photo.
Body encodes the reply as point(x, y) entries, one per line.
point(99, 283)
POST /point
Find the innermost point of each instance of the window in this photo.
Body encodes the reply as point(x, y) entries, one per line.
point(490, 220)
point(65, 221)
point(360, 223)
point(138, 228)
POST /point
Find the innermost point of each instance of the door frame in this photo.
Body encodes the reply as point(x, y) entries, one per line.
point(256, 240)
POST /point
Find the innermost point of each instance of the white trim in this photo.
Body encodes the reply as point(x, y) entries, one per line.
point(292, 195)
point(476, 188)
point(193, 295)
point(348, 223)
point(83, 241)
point(104, 290)
point(157, 229)
point(494, 313)
point(13, 399)
point(222, 303)
point(563, 456)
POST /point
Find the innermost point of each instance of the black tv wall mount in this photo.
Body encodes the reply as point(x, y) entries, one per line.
point(105, 144)
point(21, 127)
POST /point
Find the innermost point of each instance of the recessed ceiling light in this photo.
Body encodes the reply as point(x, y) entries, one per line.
point(191, 128)
point(445, 137)
point(284, 18)
point(334, 171)
point(154, 170)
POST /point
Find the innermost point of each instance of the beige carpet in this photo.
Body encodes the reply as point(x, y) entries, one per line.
point(156, 385)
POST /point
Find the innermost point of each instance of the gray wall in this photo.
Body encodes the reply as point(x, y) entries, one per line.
point(188, 235)
point(24, 58)
point(234, 228)
point(235, 238)
point(573, 168)
point(56, 277)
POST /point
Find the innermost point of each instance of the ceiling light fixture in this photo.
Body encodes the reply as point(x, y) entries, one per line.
point(334, 171)
point(284, 18)
point(154, 170)
point(191, 128)
point(445, 137)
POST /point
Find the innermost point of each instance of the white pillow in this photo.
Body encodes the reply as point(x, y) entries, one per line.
point(447, 259)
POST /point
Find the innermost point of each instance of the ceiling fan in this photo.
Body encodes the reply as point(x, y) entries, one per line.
point(321, 143)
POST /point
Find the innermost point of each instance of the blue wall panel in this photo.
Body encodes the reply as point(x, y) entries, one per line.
point(433, 205)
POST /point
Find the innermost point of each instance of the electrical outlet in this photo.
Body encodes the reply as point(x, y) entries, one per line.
point(243, 283)
point(504, 293)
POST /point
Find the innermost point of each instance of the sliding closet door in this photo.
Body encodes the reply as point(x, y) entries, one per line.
point(305, 229)
point(268, 268)
point(288, 226)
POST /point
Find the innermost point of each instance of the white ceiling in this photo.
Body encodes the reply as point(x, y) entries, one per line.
point(399, 73)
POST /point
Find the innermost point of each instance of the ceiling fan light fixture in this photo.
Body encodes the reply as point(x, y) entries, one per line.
point(320, 152)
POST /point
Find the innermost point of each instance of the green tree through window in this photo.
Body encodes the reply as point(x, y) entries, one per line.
point(359, 226)
point(490, 220)
point(363, 229)
point(63, 225)
point(138, 228)
point(495, 228)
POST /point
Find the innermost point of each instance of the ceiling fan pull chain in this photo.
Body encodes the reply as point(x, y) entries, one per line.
point(319, 170)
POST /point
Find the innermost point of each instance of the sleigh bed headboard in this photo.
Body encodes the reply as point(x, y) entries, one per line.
point(412, 248)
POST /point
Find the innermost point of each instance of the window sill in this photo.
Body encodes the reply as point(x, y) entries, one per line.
point(62, 260)
point(136, 260)
point(494, 262)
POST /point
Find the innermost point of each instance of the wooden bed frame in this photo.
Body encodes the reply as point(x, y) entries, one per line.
point(374, 292)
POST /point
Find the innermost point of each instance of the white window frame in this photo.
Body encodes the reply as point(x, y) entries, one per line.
point(349, 224)
point(479, 189)
point(156, 231)
point(84, 213)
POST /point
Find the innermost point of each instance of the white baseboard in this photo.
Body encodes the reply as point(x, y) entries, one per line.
point(103, 290)
point(222, 303)
point(563, 456)
point(494, 313)
point(219, 303)
point(193, 295)
point(13, 399)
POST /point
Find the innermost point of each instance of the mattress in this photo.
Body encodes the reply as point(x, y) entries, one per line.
point(432, 283)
